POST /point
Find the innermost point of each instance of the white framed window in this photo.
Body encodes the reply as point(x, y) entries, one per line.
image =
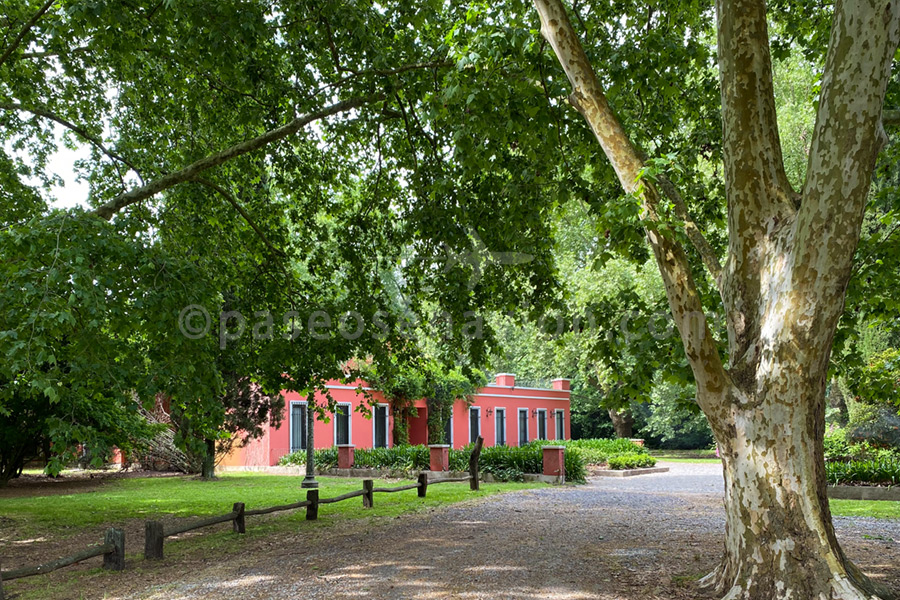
point(297, 425)
point(448, 429)
point(542, 423)
point(523, 426)
point(343, 424)
point(499, 426)
point(560, 424)
point(474, 423)
point(380, 425)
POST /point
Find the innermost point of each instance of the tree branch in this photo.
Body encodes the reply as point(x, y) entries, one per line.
point(26, 29)
point(96, 142)
point(693, 231)
point(388, 72)
point(891, 118)
point(106, 211)
point(233, 201)
point(589, 98)
point(845, 144)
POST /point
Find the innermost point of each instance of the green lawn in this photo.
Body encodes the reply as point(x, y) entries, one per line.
point(173, 497)
point(882, 509)
point(129, 502)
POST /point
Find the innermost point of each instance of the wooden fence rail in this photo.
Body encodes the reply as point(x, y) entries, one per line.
point(155, 532)
point(112, 550)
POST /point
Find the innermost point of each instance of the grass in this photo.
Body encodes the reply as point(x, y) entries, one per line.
point(879, 509)
point(126, 502)
point(162, 497)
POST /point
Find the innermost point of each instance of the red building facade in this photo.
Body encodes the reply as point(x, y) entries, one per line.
point(502, 413)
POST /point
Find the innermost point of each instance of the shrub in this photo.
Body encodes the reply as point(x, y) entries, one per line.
point(597, 451)
point(326, 458)
point(836, 446)
point(864, 471)
point(631, 461)
point(505, 463)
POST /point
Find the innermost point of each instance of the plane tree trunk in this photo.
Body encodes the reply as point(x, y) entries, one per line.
point(623, 422)
point(782, 286)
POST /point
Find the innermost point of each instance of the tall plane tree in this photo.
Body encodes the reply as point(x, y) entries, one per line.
point(790, 258)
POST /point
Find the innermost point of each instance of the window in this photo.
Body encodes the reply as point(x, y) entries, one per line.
point(542, 424)
point(474, 423)
point(560, 424)
point(380, 434)
point(298, 426)
point(448, 429)
point(500, 426)
point(523, 426)
point(342, 424)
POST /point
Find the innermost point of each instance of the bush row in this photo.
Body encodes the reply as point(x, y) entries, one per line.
point(631, 461)
point(506, 463)
point(881, 472)
point(598, 451)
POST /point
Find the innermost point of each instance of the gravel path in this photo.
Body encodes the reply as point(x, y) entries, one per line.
point(646, 537)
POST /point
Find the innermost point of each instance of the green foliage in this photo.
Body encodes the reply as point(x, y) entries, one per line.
point(880, 380)
point(675, 417)
point(837, 448)
point(878, 472)
point(631, 461)
point(596, 451)
point(505, 463)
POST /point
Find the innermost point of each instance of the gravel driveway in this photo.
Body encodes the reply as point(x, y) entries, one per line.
point(637, 538)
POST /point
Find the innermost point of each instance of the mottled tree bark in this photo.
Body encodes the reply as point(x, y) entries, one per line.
point(789, 261)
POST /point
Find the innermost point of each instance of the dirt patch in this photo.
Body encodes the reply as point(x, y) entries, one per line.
point(71, 482)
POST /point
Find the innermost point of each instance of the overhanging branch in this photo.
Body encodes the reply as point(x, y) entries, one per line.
point(106, 211)
point(15, 44)
point(589, 98)
point(233, 201)
point(693, 231)
point(81, 131)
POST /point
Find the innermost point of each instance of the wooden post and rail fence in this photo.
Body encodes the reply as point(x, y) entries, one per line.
point(155, 532)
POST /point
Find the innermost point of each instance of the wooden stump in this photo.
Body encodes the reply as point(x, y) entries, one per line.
point(368, 496)
point(423, 484)
point(153, 540)
point(239, 524)
point(312, 511)
point(114, 560)
point(473, 464)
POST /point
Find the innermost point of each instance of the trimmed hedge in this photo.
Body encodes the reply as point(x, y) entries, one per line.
point(597, 451)
point(505, 463)
point(631, 461)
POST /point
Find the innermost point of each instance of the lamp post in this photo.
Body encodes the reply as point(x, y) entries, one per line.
point(310, 480)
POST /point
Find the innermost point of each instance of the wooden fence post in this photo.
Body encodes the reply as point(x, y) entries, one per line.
point(239, 524)
point(473, 464)
point(153, 540)
point(368, 495)
point(423, 484)
point(312, 511)
point(114, 560)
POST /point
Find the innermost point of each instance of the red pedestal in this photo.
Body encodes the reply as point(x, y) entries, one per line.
point(439, 457)
point(554, 461)
point(345, 456)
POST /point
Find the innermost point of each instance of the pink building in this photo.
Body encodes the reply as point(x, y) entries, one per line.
point(502, 413)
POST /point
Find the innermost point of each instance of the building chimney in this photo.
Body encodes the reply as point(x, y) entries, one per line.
point(506, 379)
point(561, 384)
